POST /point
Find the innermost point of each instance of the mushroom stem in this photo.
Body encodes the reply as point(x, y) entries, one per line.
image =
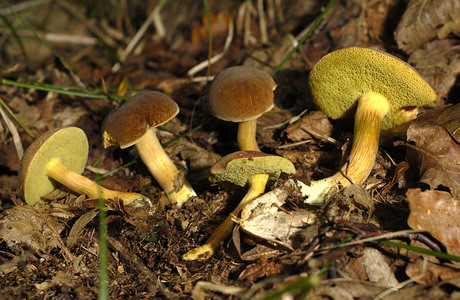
point(257, 185)
point(372, 107)
point(83, 185)
point(247, 142)
point(246, 136)
point(163, 169)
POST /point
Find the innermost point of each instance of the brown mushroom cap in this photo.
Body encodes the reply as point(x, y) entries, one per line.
point(341, 77)
point(241, 93)
point(238, 166)
point(68, 145)
point(126, 125)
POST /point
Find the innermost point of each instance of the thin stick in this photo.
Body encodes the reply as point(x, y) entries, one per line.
point(262, 22)
point(153, 17)
point(216, 58)
point(14, 133)
point(16, 119)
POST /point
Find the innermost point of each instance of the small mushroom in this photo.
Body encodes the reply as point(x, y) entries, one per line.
point(134, 123)
point(241, 168)
point(382, 89)
point(60, 155)
point(242, 94)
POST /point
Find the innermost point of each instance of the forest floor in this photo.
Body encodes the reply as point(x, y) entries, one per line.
point(66, 63)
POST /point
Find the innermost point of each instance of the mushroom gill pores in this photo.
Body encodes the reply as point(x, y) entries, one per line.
point(378, 88)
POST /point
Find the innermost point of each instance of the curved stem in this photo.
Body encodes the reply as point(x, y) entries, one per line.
point(83, 185)
point(246, 139)
point(257, 185)
point(163, 169)
point(372, 107)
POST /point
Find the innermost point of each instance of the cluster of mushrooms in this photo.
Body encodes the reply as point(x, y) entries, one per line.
point(380, 89)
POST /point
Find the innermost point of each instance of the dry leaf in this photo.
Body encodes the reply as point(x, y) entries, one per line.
point(367, 29)
point(424, 20)
point(439, 64)
point(447, 289)
point(432, 273)
point(436, 212)
point(448, 117)
point(219, 25)
point(377, 268)
point(260, 269)
point(315, 122)
point(437, 156)
point(263, 218)
point(31, 227)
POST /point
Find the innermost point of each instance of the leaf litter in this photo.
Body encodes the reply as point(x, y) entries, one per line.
point(53, 250)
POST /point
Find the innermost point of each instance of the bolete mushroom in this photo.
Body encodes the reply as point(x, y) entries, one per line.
point(242, 94)
point(382, 89)
point(60, 155)
point(133, 123)
point(241, 168)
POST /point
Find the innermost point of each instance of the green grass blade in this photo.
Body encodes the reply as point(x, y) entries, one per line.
point(437, 254)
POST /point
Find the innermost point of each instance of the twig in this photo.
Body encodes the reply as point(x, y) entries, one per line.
point(288, 121)
point(262, 22)
point(294, 144)
point(58, 37)
point(16, 119)
point(14, 133)
point(247, 22)
point(154, 18)
point(217, 57)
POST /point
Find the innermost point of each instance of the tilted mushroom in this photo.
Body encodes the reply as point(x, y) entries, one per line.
point(241, 168)
point(242, 94)
point(60, 155)
point(134, 123)
point(382, 89)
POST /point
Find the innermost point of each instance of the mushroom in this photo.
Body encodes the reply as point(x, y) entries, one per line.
point(383, 90)
point(60, 155)
point(134, 123)
point(242, 94)
point(241, 168)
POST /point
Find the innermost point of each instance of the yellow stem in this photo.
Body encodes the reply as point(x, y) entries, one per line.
point(83, 185)
point(372, 107)
point(257, 185)
point(246, 137)
point(163, 169)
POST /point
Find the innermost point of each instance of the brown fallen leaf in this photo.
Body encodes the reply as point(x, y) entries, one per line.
point(33, 228)
point(436, 212)
point(366, 29)
point(265, 219)
point(424, 20)
point(437, 156)
point(259, 269)
point(447, 289)
point(439, 64)
point(315, 122)
point(432, 273)
point(377, 268)
point(448, 117)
